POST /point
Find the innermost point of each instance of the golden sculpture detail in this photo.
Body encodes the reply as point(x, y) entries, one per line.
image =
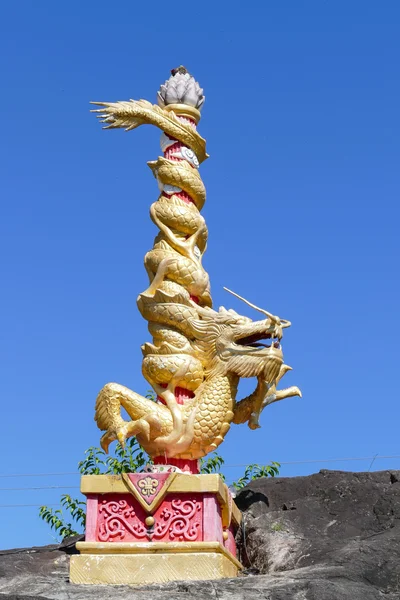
point(194, 347)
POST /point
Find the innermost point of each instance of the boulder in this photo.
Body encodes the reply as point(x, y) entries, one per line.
point(340, 531)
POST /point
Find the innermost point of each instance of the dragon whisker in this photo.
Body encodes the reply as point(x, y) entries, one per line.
point(261, 310)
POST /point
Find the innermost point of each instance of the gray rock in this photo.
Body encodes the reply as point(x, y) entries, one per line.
point(329, 536)
point(346, 525)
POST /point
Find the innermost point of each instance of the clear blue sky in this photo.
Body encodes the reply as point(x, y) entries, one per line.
point(302, 123)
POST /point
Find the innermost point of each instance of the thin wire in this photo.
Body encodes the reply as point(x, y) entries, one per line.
point(50, 487)
point(40, 474)
point(292, 462)
point(323, 460)
point(24, 505)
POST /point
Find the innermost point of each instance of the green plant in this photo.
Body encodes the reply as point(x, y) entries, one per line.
point(125, 460)
point(212, 464)
point(70, 519)
point(256, 472)
point(57, 520)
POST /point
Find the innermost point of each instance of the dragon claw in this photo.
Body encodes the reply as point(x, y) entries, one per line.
point(106, 440)
point(125, 429)
point(121, 438)
point(112, 435)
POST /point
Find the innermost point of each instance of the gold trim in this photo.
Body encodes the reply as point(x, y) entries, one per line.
point(184, 110)
point(236, 514)
point(155, 548)
point(230, 511)
point(106, 484)
point(226, 509)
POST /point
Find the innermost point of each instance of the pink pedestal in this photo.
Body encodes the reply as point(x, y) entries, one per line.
point(160, 507)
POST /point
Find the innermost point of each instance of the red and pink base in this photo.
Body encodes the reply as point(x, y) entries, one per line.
point(155, 527)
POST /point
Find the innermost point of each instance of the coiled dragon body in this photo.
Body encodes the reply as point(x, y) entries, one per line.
point(197, 354)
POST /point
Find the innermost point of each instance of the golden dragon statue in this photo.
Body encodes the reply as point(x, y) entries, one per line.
point(198, 354)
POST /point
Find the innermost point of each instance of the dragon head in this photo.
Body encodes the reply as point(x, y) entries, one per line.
point(229, 342)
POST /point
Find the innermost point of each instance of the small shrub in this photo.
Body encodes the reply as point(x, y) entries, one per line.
point(256, 472)
point(212, 464)
point(96, 462)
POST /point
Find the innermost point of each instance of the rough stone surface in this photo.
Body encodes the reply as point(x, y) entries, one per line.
point(340, 530)
point(329, 536)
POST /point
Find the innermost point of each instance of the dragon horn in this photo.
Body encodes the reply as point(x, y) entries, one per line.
point(261, 310)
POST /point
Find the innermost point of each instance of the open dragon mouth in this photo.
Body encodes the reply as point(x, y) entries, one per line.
point(255, 341)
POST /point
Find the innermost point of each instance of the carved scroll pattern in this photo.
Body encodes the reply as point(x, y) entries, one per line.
point(117, 521)
point(178, 521)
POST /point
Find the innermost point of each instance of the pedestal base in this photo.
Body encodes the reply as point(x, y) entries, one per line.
point(146, 563)
point(144, 528)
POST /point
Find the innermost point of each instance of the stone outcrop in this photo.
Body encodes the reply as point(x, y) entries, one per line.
point(329, 536)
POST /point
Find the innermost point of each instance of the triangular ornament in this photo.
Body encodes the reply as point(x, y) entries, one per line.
point(148, 488)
